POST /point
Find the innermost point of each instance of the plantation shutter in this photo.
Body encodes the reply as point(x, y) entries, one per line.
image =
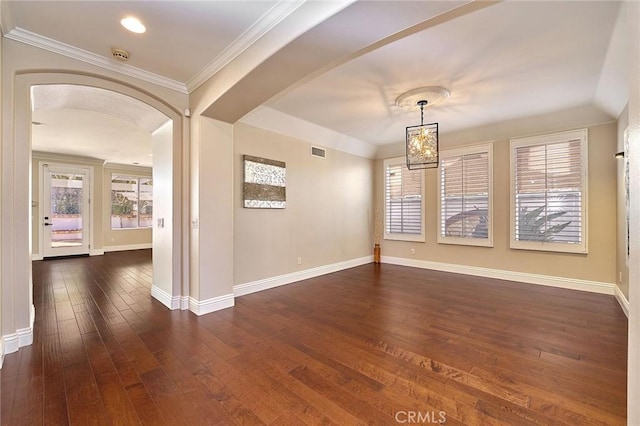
point(549, 187)
point(403, 200)
point(464, 195)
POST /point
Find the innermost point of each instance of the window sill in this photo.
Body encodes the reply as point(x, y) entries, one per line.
point(549, 247)
point(405, 237)
point(460, 241)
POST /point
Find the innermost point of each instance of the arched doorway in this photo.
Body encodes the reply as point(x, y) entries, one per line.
point(17, 300)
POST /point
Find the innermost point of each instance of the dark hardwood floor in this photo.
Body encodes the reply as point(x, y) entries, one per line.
point(369, 345)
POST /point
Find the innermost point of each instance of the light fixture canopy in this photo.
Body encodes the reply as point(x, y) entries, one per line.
point(133, 24)
point(422, 143)
point(434, 95)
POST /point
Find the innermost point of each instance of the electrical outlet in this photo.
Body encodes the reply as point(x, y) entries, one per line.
point(413, 251)
point(299, 261)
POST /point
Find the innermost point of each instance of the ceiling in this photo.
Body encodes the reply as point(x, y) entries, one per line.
point(502, 61)
point(507, 61)
point(92, 122)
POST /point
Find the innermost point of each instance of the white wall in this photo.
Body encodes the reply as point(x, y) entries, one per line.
point(633, 373)
point(163, 208)
point(622, 267)
point(17, 299)
point(212, 215)
point(327, 219)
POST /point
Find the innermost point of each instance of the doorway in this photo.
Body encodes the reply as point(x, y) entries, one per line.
point(65, 214)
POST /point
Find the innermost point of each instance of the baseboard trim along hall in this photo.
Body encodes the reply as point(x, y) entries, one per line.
point(524, 277)
point(10, 343)
point(171, 302)
point(622, 300)
point(202, 307)
point(198, 307)
point(128, 247)
point(267, 283)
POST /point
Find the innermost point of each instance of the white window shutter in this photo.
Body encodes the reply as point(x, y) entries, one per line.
point(403, 202)
point(549, 192)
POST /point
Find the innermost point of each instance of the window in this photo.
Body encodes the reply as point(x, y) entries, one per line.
point(131, 202)
point(549, 192)
point(403, 196)
point(465, 201)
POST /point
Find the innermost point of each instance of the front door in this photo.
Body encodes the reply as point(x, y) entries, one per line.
point(65, 222)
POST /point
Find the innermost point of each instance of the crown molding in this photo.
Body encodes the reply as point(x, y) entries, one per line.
point(36, 40)
point(263, 25)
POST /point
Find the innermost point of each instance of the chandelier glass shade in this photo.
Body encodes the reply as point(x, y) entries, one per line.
point(422, 143)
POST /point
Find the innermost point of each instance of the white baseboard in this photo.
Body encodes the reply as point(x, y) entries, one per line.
point(524, 277)
point(92, 252)
point(171, 302)
point(267, 283)
point(622, 300)
point(10, 343)
point(128, 247)
point(198, 307)
point(202, 307)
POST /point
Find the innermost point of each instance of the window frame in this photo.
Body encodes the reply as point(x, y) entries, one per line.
point(138, 177)
point(402, 161)
point(582, 135)
point(468, 150)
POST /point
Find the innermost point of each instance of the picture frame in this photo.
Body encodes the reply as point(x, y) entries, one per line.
point(264, 183)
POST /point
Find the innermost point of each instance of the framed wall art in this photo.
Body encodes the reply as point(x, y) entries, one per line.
point(264, 185)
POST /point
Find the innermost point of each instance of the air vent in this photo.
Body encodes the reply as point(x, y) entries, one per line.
point(318, 152)
point(120, 54)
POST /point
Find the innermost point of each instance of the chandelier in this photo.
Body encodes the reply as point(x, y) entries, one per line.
point(422, 141)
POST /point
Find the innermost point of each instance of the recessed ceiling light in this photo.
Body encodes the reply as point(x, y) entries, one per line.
point(133, 24)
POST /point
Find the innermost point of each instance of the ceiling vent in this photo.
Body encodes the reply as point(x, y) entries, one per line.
point(318, 152)
point(120, 54)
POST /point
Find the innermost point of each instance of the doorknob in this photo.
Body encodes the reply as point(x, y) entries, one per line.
point(48, 224)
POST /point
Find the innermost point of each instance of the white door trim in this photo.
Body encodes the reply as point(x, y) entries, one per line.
point(41, 203)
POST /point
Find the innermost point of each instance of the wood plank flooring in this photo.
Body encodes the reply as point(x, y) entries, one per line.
point(374, 344)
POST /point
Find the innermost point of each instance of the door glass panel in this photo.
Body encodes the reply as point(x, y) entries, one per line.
point(66, 209)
